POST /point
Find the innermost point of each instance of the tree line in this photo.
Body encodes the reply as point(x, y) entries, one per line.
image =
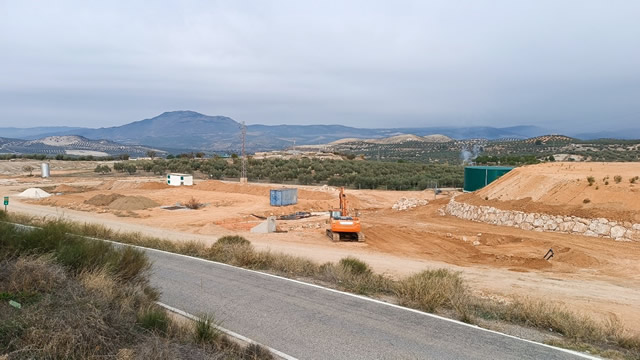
point(350, 173)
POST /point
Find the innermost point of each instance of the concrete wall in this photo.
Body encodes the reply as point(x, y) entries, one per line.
point(620, 231)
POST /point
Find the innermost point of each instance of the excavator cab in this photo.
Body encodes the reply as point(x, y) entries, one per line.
point(342, 226)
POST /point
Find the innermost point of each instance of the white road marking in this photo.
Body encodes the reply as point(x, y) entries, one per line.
point(228, 332)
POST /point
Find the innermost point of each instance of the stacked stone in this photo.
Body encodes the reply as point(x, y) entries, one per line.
point(406, 204)
point(619, 231)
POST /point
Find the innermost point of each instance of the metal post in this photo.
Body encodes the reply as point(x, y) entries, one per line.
point(243, 175)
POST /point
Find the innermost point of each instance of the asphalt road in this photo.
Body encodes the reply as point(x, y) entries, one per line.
point(309, 322)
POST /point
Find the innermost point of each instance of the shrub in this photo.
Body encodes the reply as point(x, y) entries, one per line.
point(431, 290)
point(586, 201)
point(634, 179)
point(233, 240)
point(102, 169)
point(591, 180)
point(154, 319)
point(193, 204)
point(355, 266)
point(617, 179)
point(205, 330)
point(255, 351)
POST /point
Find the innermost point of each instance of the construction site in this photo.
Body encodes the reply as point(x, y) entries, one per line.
point(567, 232)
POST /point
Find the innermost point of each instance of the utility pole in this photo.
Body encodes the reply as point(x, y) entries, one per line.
point(243, 175)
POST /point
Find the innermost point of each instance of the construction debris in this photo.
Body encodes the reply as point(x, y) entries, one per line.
point(295, 216)
point(408, 203)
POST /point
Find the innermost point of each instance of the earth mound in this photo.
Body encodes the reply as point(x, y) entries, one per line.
point(153, 186)
point(589, 190)
point(103, 200)
point(64, 188)
point(133, 203)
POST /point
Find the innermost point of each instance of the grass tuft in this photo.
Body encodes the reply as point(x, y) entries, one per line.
point(205, 329)
point(154, 319)
point(431, 290)
point(355, 266)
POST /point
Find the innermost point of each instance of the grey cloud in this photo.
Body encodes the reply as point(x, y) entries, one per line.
point(365, 63)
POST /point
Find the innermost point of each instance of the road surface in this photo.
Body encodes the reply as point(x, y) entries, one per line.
point(310, 322)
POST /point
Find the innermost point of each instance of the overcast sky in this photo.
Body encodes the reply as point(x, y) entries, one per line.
point(557, 64)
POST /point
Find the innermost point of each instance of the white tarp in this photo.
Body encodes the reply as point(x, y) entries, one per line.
point(34, 193)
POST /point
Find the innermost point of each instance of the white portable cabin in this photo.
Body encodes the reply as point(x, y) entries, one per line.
point(175, 179)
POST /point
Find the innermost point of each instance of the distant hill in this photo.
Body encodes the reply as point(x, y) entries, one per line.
point(35, 132)
point(396, 139)
point(70, 145)
point(192, 130)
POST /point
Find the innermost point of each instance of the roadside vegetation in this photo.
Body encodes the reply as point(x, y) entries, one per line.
point(63, 296)
point(439, 291)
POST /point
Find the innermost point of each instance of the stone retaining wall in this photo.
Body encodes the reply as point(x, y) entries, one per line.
point(601, 227)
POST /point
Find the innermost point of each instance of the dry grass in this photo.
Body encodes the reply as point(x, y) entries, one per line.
point(84, 299)
point(432, 291)
point(193, 204)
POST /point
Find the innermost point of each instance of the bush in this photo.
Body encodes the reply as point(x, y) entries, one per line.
point(193, 204)
point(102, 169)
point(154, 319)
point(431, 290)
point(591, 180)
point(233, 240)
point(255, 351)
point(205, 330)
point(586, 201)
point(355, 266)
point(617, 179)
point(634, 179)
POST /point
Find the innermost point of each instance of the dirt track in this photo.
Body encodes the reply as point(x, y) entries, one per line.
point(595, 275)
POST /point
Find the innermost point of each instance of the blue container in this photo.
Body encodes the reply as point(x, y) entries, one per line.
point(284, 197)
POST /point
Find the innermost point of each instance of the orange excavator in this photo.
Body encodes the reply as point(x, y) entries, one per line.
point(344, 227)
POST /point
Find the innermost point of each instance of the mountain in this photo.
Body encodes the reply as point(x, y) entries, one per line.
point(627, 134)
point(70, 145)
point(192, 130)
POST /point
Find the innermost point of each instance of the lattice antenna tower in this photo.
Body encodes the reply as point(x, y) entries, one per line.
point(244, 154)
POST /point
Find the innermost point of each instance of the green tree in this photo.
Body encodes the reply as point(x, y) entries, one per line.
point(102, 169)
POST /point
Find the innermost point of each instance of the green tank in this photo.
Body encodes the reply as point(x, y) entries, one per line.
point(477, 177)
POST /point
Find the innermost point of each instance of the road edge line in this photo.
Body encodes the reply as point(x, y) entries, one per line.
point(242, 338)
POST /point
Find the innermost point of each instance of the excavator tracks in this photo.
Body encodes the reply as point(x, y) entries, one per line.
point(345, 236)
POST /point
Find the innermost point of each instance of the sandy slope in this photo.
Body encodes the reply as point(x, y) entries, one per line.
point(561, 189)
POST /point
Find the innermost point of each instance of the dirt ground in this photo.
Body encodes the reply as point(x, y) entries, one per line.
point(596, 276)
point(563, 188)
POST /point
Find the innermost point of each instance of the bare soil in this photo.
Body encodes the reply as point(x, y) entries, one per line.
point(563, 189)
point(596, 276)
